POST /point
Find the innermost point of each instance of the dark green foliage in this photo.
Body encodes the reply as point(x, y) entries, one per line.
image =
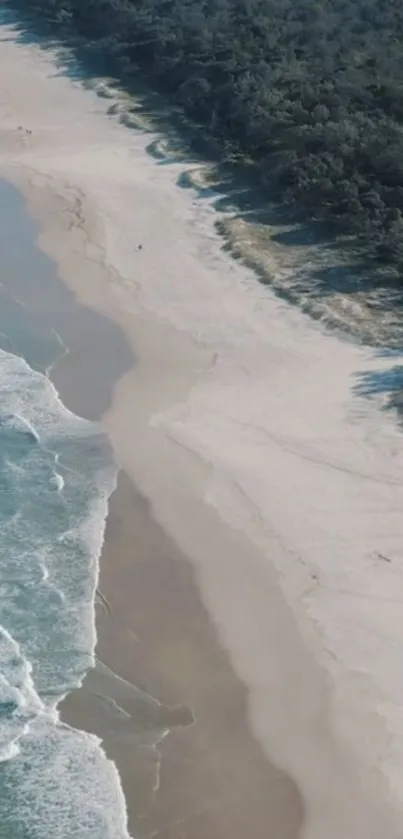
point(311, 91)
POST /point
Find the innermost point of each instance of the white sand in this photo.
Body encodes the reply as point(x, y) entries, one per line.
point(243, 402)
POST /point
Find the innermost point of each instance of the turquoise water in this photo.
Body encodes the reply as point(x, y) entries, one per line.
point(56, 474)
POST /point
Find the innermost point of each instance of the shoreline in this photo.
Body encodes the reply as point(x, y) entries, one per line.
point(197, 457)
point(167, 691)
point(208, 776)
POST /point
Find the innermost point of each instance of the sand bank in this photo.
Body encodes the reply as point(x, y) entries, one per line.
point(249, 430)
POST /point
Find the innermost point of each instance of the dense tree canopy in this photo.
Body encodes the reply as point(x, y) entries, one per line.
point(311, 90)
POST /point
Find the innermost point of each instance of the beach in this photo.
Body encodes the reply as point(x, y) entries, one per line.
point(244, 596)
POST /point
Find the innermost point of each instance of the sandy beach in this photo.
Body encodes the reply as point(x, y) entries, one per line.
point(210, 778)
point(242, 581)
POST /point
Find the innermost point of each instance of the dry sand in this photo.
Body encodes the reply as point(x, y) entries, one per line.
point(278, 487)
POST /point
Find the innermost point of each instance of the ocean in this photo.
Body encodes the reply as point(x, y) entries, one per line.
point(57, 473)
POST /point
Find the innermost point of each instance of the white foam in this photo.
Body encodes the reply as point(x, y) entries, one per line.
point(67, 789)
point(19, 422)
point(58, 481)
point(19, 673)
point(9, 752)
point(19, 701)
point(30, 399)
point(52, 767)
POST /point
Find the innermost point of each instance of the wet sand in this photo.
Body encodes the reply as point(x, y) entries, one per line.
point(212, 777)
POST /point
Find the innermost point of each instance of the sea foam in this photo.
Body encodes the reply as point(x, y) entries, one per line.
point(57, 473)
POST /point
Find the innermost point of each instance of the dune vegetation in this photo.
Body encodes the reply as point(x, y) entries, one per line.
point(310, 92)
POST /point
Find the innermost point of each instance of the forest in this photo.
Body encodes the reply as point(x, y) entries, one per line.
point(311, 92)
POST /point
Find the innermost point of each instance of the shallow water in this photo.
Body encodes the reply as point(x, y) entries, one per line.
point(57, 472)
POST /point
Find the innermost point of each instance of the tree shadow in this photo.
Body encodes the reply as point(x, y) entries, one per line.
point(374, 382)
point(387, 383)
point(237, 186)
